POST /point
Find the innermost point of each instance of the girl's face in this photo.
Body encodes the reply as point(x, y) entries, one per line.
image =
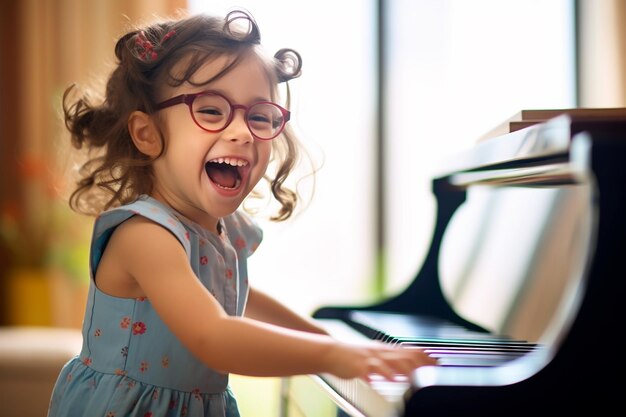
point(205, 175)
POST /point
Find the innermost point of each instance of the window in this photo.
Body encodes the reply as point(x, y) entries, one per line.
point(456, 69)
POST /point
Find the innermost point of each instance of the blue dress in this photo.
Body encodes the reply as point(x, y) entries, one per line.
point(130, 363)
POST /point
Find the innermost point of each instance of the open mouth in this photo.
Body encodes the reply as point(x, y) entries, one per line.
point(226, 173)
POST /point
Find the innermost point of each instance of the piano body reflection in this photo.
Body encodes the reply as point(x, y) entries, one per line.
point(521, 292)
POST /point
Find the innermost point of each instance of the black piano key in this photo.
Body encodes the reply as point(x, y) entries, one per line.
point(474, 346)
point(466, 342)
point(472, 352)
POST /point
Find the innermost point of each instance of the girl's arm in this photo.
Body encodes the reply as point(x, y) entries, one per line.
point(263, 307)
point(157, 262)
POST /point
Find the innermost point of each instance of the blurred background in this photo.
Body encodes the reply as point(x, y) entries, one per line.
point(408, 82)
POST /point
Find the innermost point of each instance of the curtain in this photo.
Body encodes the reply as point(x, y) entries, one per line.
point(45, 46)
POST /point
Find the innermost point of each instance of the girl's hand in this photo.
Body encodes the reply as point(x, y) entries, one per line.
point(365, 361)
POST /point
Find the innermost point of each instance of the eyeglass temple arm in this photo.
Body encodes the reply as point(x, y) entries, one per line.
point(183, 98)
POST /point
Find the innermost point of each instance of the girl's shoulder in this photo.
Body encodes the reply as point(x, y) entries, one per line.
point(146, 207)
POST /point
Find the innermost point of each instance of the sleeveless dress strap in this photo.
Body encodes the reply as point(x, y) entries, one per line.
point(149, 208)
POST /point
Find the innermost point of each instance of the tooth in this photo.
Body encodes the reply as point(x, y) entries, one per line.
point(230, 161)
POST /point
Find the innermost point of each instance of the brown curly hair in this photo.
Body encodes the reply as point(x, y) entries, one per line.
point(118, 173)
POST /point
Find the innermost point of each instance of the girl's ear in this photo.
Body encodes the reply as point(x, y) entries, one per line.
point(144, 133)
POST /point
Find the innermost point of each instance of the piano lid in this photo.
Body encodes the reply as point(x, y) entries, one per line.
point(538, 144)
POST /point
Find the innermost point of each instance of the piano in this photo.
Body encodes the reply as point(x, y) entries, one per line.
point(521, 293)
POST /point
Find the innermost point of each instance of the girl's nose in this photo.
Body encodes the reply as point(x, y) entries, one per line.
point(237, 130)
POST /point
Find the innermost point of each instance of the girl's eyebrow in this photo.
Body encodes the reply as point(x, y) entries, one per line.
point(228, 96)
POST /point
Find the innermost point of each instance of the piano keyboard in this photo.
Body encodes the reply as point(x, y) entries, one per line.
point(455, 347)
point(451, 344)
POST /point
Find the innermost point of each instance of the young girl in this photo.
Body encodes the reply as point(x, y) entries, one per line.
point(187, 129)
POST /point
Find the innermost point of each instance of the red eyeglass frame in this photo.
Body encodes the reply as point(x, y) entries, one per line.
point(188, 99)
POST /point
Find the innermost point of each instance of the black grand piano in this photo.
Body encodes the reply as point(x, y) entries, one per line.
point(521, 295)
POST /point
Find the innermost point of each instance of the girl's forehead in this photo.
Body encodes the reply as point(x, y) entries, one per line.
point(248, 69)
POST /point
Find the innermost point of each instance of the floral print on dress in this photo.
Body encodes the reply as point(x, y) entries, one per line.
point(196, 394)
point(240, 243)
point(125, 322)
point(139, 328)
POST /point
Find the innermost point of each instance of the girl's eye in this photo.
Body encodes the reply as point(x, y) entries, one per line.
point(210, 111)
point(259, 118)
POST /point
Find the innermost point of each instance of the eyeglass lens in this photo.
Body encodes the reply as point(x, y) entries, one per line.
point(213, 112)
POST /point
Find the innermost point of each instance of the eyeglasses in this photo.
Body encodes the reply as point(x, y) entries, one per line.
point(213, 112)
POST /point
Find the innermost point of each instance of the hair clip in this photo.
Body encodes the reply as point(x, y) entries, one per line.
point(148, 53)
point(167, 36)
